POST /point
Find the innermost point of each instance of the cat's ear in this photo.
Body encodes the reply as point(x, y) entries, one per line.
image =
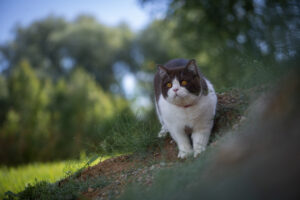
point(192, 66)
point(162, 70)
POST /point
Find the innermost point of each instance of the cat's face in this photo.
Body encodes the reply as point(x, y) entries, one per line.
point(180, 85)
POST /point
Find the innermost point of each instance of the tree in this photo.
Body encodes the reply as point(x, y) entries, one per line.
point(27, 118)
point(3, 99)
point(45, 121)
point(33, 44)
point(53, 46)
point(233, 39)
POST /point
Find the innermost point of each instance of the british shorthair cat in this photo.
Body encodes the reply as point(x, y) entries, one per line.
point(185, 102)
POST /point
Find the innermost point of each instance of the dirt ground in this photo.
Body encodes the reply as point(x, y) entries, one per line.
point(127, 169)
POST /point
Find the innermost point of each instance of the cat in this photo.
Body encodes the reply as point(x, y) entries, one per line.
point(185, 103)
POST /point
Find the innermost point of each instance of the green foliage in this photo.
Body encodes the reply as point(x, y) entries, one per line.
point(27, 117)
point(233, 41)
point(95, 47)
point(157, 44)
point(53, 46)
point(47, 121)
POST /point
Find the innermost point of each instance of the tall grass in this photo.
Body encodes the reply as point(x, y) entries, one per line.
point(127, 133)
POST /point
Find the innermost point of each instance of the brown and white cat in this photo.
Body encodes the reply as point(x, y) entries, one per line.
point(185, 103)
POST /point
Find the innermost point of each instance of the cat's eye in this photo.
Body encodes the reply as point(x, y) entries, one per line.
point(169, 85)
point(183, 83)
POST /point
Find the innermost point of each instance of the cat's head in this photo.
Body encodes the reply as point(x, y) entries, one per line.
point(181, 82)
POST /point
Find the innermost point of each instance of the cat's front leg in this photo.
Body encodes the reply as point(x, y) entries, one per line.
point(200, 140)
point(163, 132)
point(183, 143)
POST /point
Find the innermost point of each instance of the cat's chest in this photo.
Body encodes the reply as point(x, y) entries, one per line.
point(175, 114)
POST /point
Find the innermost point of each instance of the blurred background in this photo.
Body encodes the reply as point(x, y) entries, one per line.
point(76, 76)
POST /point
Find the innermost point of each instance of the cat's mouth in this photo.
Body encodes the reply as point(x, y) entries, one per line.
point(179, 99)
point(176, 96)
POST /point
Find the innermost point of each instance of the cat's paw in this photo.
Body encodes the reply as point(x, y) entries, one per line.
point(184, 154)
point(162, 133)
point(198, 150)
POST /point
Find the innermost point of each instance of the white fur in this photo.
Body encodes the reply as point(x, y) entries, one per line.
point(174, 117)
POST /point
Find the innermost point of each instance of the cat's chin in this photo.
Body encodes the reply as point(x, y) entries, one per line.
point(182, 101)
point(176, 101)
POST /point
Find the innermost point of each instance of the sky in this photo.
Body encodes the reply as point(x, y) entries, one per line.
point(109, 12)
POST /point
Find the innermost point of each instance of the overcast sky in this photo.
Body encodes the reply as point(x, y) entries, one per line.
point(109, 12)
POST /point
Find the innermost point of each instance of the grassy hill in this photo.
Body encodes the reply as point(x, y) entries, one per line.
point(253, 154)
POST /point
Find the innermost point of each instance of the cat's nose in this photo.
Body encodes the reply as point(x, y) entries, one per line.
point(175, 90)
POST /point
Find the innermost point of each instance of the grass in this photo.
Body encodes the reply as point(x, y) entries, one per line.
point(70, 190)
point(15, 179)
